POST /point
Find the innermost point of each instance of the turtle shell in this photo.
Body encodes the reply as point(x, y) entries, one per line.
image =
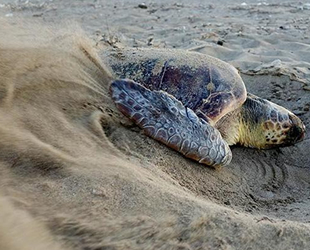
point(208, 86)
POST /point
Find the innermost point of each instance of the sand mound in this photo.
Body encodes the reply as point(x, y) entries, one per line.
point(21, 232)
point(71, 160)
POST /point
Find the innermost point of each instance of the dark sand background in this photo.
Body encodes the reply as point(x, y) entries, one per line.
point(76, 174)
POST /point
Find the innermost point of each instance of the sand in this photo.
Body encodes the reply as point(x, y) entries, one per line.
point(76, 174)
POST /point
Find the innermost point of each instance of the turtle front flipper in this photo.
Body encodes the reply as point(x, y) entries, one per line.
point(165, 119)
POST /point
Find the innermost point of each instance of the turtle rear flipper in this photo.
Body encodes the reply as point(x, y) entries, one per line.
point(165, 119)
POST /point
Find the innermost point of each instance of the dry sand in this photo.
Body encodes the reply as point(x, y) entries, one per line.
point(76, 174)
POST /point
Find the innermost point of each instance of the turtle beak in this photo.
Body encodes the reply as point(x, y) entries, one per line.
point(296, 133)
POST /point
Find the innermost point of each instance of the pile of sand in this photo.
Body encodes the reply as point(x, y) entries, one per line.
point(77, 174)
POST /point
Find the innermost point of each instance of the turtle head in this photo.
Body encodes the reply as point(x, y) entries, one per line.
point(264, 124)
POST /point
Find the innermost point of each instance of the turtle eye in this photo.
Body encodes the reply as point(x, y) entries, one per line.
point(297, 130)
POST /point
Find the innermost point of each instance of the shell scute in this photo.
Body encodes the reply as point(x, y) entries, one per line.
point(190, 77)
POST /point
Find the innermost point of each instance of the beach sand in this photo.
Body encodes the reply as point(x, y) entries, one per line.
point(76, 174)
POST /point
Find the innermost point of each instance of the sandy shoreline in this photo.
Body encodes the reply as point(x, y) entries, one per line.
point(96, 182)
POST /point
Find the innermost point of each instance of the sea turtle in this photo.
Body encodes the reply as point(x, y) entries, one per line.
point(196, 104)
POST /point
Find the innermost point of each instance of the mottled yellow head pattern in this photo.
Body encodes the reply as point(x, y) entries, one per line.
point(264, 124)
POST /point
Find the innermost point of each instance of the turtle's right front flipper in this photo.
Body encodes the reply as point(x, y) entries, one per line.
point(165, 119)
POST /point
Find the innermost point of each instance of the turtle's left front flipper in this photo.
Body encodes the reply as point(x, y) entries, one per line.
point(165, 119)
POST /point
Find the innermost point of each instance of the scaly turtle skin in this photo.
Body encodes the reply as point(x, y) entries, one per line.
point(196, 104)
